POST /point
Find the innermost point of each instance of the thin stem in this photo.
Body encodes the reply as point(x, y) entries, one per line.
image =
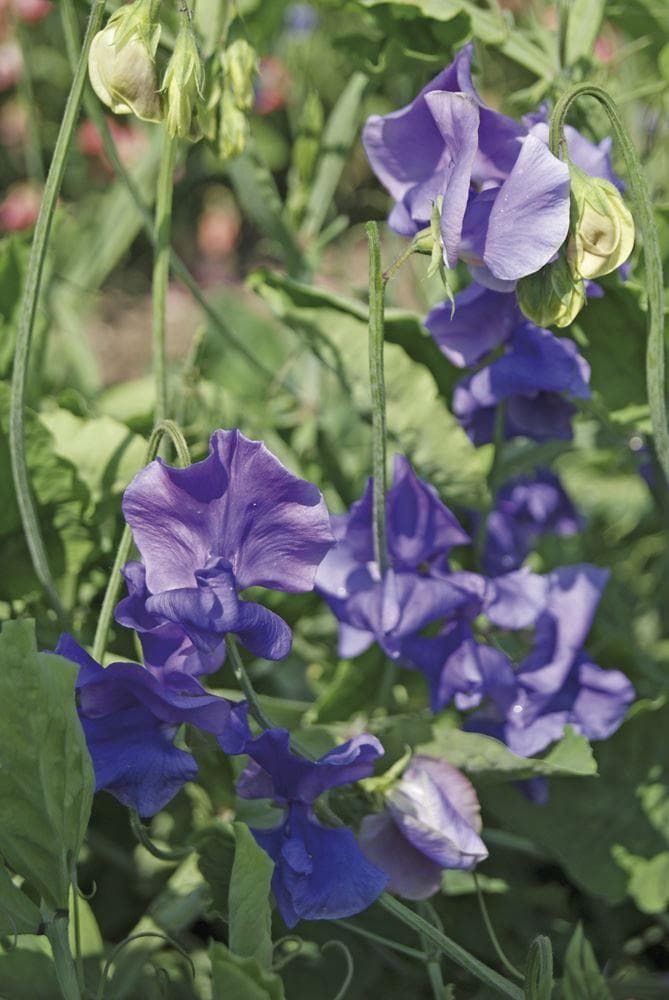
point(79, 958)
point(245, 684)
point(123, 551)
point(161, 269)
point(449, 948)
point(384, 942)
point(509, 966)
point(142, 835)
point(378, 392)
point(26, 322)
point(432, 953)
point(56, 931)
point(655, 361)
point(393, 268)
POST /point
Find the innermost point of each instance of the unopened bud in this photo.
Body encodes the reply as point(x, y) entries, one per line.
point(183, 85)
point(552, 296)
point(121, 63)
point(234, 130)
point(240, 65)
point(602, 228)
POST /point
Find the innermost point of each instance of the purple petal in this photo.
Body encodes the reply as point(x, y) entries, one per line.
point(517, 599)
point(530, 217)
point(481, 322)
point(594, 159)
point(420, 527)
point(411, 873)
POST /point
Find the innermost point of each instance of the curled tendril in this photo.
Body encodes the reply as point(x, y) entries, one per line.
point(164, 981)
point(348, 978)
point(15, 933)
point(281, 960)
point(90, 894)
point(140, 832)
point(136, 937)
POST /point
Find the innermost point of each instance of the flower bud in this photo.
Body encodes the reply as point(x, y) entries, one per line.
point(551, 296)
point(240, 67)
point(234, 130)
point(602, 228)
point(183, 85)
point(121, 63)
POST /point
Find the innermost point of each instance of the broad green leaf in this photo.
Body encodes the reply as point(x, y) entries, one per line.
point(18, 913)
point(236, 978)
point(583, 24)
point(649, 879)
point(45, 770)
point(90, 938)
point(539, 970)
point(582, 979)
point(585, 823)
point(492, 761)
point(27, 971)
point(249, 899)
point(216, 854)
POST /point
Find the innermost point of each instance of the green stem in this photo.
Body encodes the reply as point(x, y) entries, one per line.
point(55, 929)
point(34, 160)
point(245, 684)
point(378, 392)
point(142, 835)
point(655, 362)
point(384, 942)
point(509, 966)
point(393, 268)
point(452, 950)
point(76, 923)
point(432, 953)
point(26, 322)
point(161, 269)
point(122, 553)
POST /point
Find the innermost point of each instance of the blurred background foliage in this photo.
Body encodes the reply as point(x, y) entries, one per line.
point(275, 241)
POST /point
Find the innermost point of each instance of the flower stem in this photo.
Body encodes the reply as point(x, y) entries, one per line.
point(509, 966)
point(455, 952)
point(26, 322)
point(123, 551)
point(393, 268)
point(383, 942)
point(161, 269)
point(378, 392)
point(655, 362)
point(56, 930)
point(432, 953)
point(245, 684)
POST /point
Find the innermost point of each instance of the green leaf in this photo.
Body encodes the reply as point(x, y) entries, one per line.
point(216, 853)
point(18, 913)
point(45, 769)
point(27, 971)
point(248, 899)
point(355, 684)
point(583, 24)
point(582, 979)
point(649, 879)
point(539, 969)
point(241, 978)
point(491, 760)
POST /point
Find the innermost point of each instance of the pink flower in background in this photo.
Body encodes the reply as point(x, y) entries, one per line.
point(12, 123)
point(130, 141)
point(219, 225)
point(10, 65)
point(31, 11)
point(273, 85)
point(19, 207)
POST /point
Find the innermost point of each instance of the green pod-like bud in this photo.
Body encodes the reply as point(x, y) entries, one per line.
point(602, 227)
point(552, 296)
point(183, 85)
point(121, 63)
point(539, 970)
point(239, 67)
point(233, 132)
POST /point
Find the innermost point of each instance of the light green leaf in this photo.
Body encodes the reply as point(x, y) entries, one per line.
point(583, 24)
point(45, 770)
point(582, 978)
point(649, 879)
point(248, 899)
point(13, 259)
point(90, 938)
point(241, 978)
point(18, 913)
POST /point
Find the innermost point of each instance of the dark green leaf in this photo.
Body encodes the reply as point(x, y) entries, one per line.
point(248, 899)
point(216, 853)
point(582, 979)
point(18, 913)
point(236, 978)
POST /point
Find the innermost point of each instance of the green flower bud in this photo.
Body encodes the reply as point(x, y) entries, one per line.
point(240, 66)
point(552, 296)
point(234, 130)
point(121, 63)
point(183, 85)
point(602, 228)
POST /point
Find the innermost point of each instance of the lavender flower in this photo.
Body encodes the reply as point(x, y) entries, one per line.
point(320, 872)
point(505, 196)
point(525, 509)
point(130, 718)
point(235, 520)
point(432, 822)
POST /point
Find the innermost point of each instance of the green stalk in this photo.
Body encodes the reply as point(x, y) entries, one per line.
point(26, 322)
point(378, 392)
point(245, 684)
point(161, 270)
point(452, 950)
point(655, 361)
point(509, 966)
point(122, 553)
point(56, 931)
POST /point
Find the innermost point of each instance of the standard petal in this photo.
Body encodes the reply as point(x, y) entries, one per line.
point(411, 873)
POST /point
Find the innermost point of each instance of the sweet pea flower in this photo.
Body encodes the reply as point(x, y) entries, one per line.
point(505, 205)
point(320, 872)
point(237, 519)
point(526, 508)
point(557, 685)
point(130, 719)
point(432, 823)
point(531, 379)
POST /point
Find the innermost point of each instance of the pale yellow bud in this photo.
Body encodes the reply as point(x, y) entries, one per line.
point(234, 130)
point(240, 67)
point(183, 85)
point(121, 66)
point(602, 229)
point(552, 296)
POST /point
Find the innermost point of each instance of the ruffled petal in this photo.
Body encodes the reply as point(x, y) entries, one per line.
point(482, 320)
point(411, 873)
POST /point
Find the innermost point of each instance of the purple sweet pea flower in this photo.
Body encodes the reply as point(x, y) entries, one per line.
point(529, 378)
point(320, 872)
point(432, 822)
point(130, 718)
point(505, 196)
point(481, 321)
point(593, 158)
point(525, 509)
point(235, 520)
point(557, 684)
